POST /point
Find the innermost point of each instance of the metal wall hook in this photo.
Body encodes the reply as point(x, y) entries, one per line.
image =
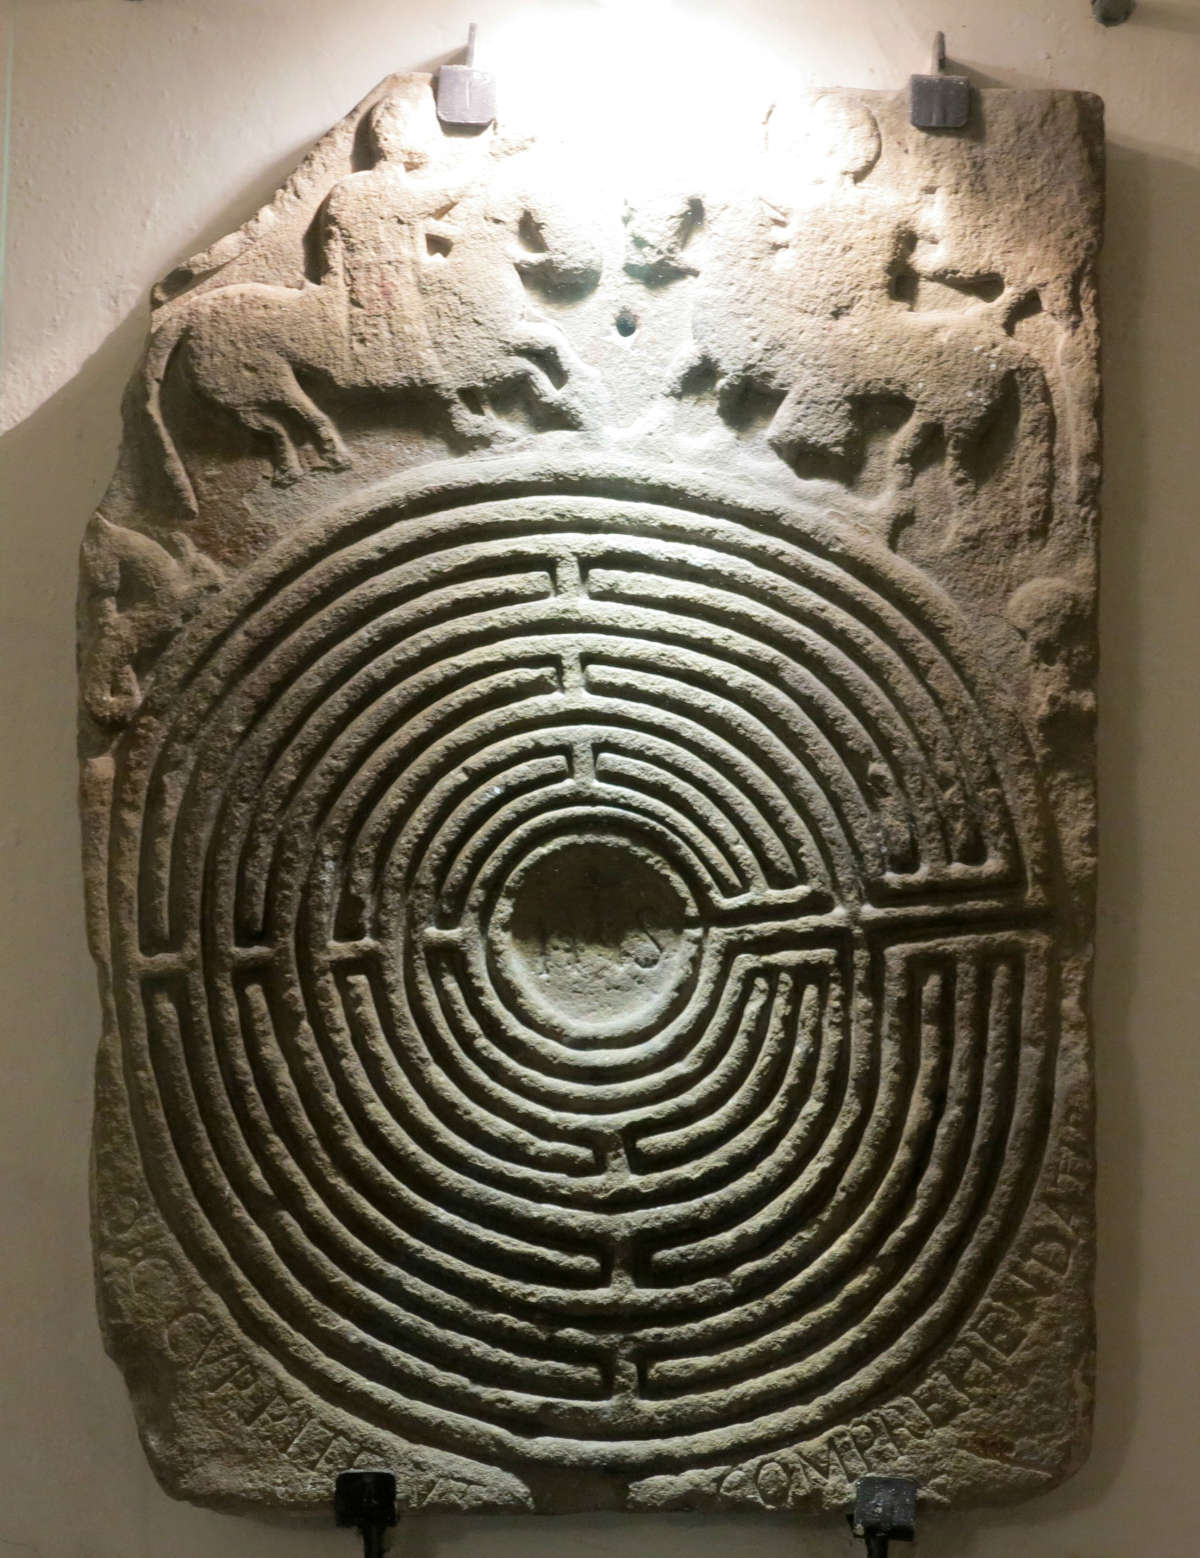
point(466, 96)
point(938, 101)
point(937, 65)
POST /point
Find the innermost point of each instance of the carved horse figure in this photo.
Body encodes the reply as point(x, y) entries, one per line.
point(409, 299)
point(808, 318)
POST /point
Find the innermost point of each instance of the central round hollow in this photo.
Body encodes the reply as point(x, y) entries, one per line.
point(596, 932)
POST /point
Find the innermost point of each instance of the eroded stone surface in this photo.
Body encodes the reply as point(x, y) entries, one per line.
point(586, 720)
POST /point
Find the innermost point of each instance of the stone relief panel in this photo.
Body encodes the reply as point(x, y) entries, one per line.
point(587, 701)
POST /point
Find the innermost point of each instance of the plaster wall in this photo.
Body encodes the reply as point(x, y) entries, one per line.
point(139, 133)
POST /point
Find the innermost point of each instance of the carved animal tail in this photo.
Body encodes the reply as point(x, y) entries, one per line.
point(163, 343)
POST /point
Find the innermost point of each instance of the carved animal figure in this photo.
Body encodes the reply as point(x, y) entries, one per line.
point(954, 378)
point(134, 591)
point(799, 308)
point(1054, 617)
point(409, 299)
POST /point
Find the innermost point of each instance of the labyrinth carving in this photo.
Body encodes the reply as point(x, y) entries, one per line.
point(588, 826)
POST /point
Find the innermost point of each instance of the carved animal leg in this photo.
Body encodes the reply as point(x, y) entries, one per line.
point(815, 416)
point(1037, 435)
point(546, 393)
point(334, 454)
point(961, 437)
point(544, 389)
point(471, 420)
point(554, 374)
point(914, 438)
point(958, 443)
point(533, 341)
point(111, 692)
point(284, 457)
point(691, 372)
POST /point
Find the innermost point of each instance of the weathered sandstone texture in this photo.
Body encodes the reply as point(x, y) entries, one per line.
point(587, 740)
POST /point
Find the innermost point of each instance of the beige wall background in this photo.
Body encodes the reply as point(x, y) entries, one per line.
point(141, 132)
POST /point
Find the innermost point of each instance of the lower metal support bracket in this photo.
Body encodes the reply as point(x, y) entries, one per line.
point(366, 1500)
point(885, 1510)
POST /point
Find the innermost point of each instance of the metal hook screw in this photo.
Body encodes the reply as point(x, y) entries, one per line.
point(937, 65)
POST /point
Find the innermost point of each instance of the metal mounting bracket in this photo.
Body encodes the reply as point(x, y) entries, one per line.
point(938, 101)
point(466, 96)
point(885, 1510)
point(366, 1500)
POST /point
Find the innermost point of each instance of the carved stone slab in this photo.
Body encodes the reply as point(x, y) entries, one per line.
point(587, 703)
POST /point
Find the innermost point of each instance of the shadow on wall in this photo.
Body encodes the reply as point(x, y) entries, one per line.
point(1180, 16)
point(53, 468)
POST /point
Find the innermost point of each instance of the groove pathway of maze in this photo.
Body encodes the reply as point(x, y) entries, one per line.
point(564, 1057)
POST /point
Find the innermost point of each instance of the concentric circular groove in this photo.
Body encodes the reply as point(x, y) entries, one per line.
point(540, 984)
